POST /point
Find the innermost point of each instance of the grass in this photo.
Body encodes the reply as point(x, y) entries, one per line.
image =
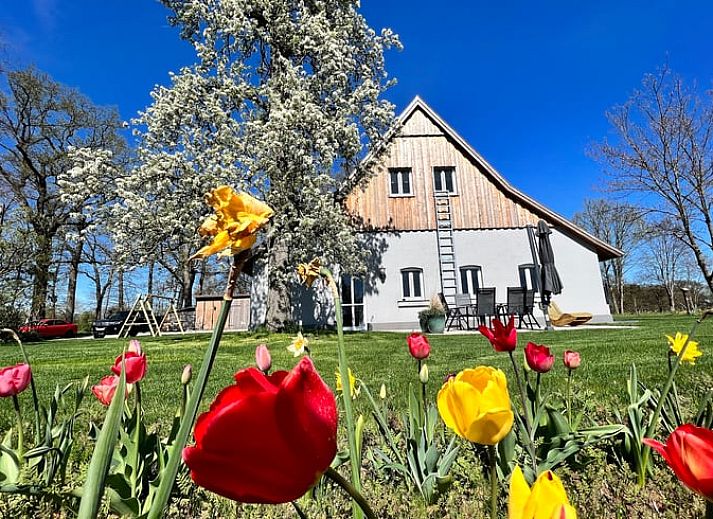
point(382, 358)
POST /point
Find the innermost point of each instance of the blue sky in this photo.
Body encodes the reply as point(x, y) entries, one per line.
point(526, 83)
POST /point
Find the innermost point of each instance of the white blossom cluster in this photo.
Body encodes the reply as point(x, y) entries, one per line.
point(283, 101)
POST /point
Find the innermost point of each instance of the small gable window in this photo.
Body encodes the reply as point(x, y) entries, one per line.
point(412, 283)
point(444, 179)
point(400, 182)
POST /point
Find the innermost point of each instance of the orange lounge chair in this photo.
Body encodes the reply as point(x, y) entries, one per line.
point(560, 318)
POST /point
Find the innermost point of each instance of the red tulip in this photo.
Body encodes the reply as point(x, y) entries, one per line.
point(263, 358)
point(105, 389)
point(135, 362)
point(14, 379)
point(571, 359)
point(689, 452)
point(539, 357)
point(267, 438)
point(503, 338)
point(418, 346)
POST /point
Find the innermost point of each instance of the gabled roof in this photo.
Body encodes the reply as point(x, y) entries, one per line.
point(604, 250)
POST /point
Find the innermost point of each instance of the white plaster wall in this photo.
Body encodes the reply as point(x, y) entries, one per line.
point(383, 302)
point(499, 252)
point(578, 268)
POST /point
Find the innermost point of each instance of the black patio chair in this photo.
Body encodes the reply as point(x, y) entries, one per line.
point(454, 315)
point(515, 305)
point(485, 308)
point(527, 316)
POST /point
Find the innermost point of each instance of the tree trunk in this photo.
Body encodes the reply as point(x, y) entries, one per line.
point(120, 288)
point(278, 294)
point(149, 282)
point(41, 276)
point(74, 261)
point(671, 297)
point(188, 277)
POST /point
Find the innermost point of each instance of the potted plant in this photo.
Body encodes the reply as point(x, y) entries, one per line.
point(433, 318)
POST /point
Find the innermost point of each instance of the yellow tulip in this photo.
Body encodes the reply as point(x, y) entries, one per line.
point(237, 218)
point(475, 404)
point(676, 343)
point(546, 500)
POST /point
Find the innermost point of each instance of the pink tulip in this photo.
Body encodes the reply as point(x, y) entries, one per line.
point(571, 359)
point(14, 379)
point(418, 346)
point(105, 389)
point(539, 357)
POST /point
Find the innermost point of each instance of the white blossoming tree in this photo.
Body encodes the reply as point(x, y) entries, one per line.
point(284, 101)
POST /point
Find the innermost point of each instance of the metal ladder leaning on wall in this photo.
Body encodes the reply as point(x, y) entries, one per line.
point(446, 249)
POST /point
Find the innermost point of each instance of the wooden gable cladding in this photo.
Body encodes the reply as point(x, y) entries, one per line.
point(420, 144)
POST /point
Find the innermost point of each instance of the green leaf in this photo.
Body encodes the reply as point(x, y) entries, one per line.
point(101, 458)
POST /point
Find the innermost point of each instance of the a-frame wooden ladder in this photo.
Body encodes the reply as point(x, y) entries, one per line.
point(141, 309)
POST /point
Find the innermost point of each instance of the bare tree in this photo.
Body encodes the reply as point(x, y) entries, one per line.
point(40, 122)
point(619, 224)
point(662, 154)
point(662, 258)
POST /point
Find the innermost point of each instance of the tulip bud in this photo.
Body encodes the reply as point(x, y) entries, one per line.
point(263, 358)
point(423, 374)
point(134, 346)
point(382, 392)
point(187, 374)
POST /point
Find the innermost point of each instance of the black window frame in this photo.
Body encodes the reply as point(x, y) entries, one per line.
point(441, 175)
point(412, 279)
point(476, 277)
point(404, 178)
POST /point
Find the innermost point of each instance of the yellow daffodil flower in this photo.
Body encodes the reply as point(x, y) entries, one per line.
point(299, 345)
point(547, 499)
point(353, 389)
point(237, 219)
point(309, 272)
point(676, 343)
point(476, 406)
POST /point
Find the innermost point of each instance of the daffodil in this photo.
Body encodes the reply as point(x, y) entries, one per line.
point(353, 389)
point(547, 499)
point(382, 392)
point(309, 272)
point(299, 345)
point(237, 219)
point(676, 343)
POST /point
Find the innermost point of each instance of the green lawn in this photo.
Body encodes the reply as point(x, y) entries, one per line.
point(375, 358)
point(378, 358)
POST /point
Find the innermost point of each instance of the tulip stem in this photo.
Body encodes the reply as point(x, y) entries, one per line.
point(655, 418)
point(526, 412)
point(344, 374)
point(298, 509)
point(569, 398)
point(493, 482)
point(168, 476)
point(352, 491)
point(137, 440)
point(35, 401)
point(20, 438)
point(423, 393)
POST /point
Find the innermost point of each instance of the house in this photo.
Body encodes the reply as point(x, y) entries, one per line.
point(439, 218)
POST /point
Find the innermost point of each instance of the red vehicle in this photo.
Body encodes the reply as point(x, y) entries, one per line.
point(48, 328)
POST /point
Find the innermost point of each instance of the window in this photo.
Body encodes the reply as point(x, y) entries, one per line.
point(528, 276)
point(400, 182)
point(471, 279)
point(444, 179)
point(412, 283)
